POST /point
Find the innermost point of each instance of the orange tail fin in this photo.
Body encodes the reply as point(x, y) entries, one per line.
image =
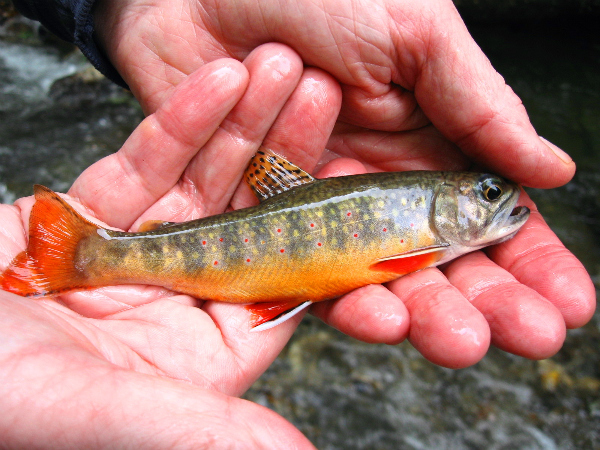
point(47, 267)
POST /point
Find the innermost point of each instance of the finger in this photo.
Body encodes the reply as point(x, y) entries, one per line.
point(521, 320)
point(303, 126)
point(12, 234)
point(216, 171)
point(371, 314)
point(121, 186)
point(422, 149)
point(537, 258)
point(394, 110)
point(444, 326)
point(469, 102)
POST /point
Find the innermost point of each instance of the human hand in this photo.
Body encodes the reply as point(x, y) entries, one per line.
point(418, 93)
point(128, 365)
point(403, 65)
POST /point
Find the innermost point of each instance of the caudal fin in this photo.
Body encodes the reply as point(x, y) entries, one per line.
point(46, 267)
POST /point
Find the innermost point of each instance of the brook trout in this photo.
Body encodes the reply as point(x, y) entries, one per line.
point(308, 240)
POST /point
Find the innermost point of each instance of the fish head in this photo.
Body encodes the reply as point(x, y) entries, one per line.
point(473, 210)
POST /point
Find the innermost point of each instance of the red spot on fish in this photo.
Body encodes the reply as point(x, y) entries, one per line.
point(220, 239)
point(319, 244)
point(412, 224)
point(402, 241)
point(355, 234)
point(248, 260)
point(279, 230)
point(282, 250)
point(349, 214)
point(312, 225)
point(385, 230)
point(216, 263)
point(246, 240)
point(203, 242)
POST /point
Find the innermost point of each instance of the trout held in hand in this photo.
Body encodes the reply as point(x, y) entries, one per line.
point(308, 240)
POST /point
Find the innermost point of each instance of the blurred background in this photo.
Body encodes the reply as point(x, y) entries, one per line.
point(58, 116)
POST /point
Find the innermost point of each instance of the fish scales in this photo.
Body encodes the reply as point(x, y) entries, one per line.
point(303, 242)
point(308, 240)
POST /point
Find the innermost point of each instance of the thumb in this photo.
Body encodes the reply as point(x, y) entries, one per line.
point(469, 102)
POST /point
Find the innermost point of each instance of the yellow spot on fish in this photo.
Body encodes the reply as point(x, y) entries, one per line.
point(381, 203)
point(334, 241)
point(319, 213)
point(296, 233)
point(403, 201)
point(333, 224)
point(179, 254)
point(395, 212)
point(195, 255)
point(405, 213)
point(232, 248)
point(211, 235)
point(165, 249)
point(366, 217)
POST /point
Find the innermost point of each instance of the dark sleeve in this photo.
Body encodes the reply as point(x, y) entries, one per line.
point(71, 20)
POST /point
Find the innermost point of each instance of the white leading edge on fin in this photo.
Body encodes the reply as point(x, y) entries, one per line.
point(273, 323)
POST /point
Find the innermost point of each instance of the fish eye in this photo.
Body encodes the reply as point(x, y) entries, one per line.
point(491, 189)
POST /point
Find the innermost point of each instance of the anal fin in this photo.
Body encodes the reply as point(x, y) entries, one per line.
point(268, 315)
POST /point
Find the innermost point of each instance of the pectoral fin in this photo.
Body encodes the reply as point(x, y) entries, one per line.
point(269, 315)
point(269, 174)
point(411, 261)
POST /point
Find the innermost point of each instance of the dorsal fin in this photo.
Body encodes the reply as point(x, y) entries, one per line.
point(269, 174)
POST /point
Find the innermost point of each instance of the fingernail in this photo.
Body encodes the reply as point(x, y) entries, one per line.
point(557, 151)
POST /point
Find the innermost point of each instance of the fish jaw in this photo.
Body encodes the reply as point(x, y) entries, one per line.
point(508, 220)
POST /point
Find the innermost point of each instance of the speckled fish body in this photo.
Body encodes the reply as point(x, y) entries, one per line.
point(314, 242)
point(307, 240)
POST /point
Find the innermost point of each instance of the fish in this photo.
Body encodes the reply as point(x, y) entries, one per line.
point(308, 239)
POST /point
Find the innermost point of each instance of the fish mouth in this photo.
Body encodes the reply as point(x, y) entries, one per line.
point(510, 218)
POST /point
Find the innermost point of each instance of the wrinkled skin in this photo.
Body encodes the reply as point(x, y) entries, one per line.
point(104, 367)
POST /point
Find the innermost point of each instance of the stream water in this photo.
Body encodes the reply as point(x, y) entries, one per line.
point(342, 393)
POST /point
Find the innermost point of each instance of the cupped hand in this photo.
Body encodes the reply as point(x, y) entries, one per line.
point(402, 64)
point(138, 365)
